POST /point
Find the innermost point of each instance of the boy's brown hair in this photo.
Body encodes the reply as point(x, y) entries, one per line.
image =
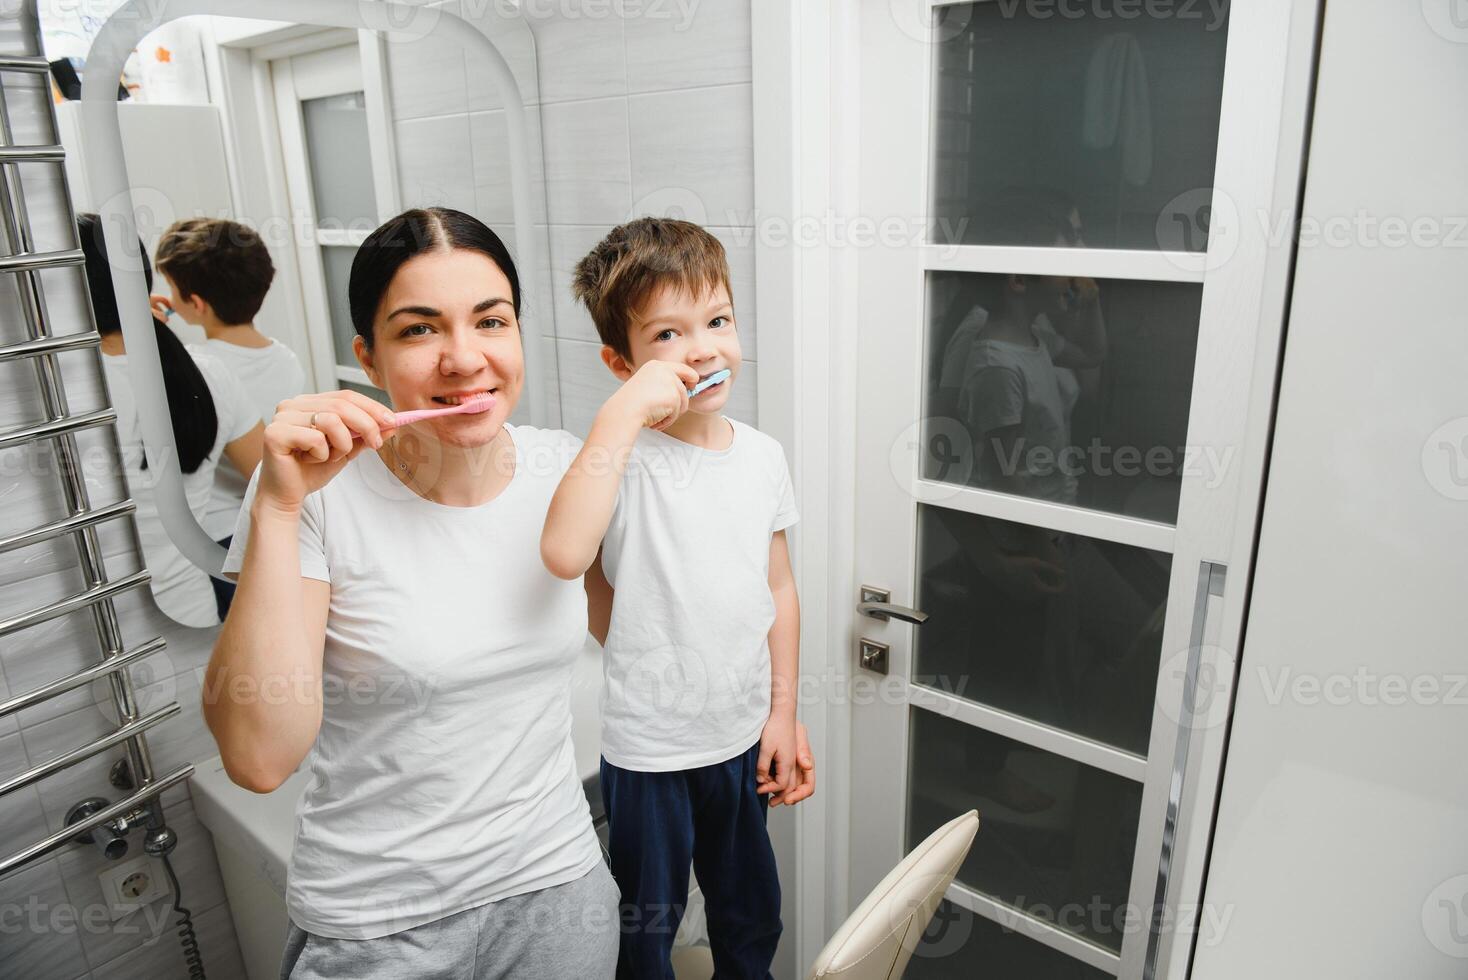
point(617, 277)
point(222, 261)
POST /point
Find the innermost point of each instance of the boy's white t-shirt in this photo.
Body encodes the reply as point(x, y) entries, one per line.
point(444, 775)
point(687, 551)
point(180, 588)
point(269, 375)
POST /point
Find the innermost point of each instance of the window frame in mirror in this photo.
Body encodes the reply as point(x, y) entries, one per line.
point(107, 171)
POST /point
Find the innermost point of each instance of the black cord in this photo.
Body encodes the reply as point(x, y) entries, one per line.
point(186, 937)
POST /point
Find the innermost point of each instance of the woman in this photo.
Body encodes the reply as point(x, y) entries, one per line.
point(212, 420)
point(393, 613)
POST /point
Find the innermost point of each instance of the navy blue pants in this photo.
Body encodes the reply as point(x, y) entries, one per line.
point(712, 818)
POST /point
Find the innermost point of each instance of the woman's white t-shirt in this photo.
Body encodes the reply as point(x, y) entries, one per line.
point(180, 588)
point(269, 375)
point(444, 775)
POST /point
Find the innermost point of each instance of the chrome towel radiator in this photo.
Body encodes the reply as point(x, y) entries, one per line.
point(42, 347)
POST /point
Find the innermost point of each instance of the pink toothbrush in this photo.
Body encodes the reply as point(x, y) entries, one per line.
point(475, 405)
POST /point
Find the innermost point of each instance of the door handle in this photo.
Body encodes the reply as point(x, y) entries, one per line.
point(874, 603)
point(887, 610)
point(1211, 577)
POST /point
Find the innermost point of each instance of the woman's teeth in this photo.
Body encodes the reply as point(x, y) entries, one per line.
point(458, 399)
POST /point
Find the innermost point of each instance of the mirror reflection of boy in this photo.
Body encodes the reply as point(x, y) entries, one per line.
point(218, 273)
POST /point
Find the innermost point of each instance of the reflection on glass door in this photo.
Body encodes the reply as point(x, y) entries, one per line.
point(1061, 629)
point(1058, 835)
point(1070, 161)
point(1080, 398)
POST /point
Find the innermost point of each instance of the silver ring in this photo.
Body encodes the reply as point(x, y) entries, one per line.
point(312, 421)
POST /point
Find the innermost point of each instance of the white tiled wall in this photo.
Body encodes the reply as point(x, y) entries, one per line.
point(53, 923)
point(641, 109)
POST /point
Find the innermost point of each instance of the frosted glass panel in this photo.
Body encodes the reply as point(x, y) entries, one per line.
point(1061, 629)
point(962, 944)
point(336, 262)
point(1087, 404)
point(1057, 836)
point(1103, 114)
point(341, 161)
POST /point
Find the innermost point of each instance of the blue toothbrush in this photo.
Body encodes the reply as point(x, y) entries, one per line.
point(713, 379)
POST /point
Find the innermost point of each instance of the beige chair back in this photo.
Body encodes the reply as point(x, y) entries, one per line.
point(876, 941)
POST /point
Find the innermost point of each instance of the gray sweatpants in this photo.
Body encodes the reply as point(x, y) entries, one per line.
point(568, 930)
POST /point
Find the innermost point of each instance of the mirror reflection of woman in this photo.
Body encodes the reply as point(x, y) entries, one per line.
point(394, 620)
point(212, 421)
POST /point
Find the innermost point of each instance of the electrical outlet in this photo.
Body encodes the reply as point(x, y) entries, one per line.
point(132, 884)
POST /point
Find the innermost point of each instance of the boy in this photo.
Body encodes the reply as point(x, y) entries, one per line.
point(684, 511)
point(218, 273)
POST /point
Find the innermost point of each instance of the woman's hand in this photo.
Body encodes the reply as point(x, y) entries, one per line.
point(310, 440)
point(656, 395)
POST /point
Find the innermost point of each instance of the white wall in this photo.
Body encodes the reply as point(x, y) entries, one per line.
point(1340, 848)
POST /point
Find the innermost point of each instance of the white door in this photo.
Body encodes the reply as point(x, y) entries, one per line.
point(1065, 385)
point(340, 185)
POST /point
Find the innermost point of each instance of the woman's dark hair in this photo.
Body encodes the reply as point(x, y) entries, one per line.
point(190, 404)
point(408, 235)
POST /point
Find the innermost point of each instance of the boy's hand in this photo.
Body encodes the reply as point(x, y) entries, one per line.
point(656, 395)
point(776, 769)
point(805, 762)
